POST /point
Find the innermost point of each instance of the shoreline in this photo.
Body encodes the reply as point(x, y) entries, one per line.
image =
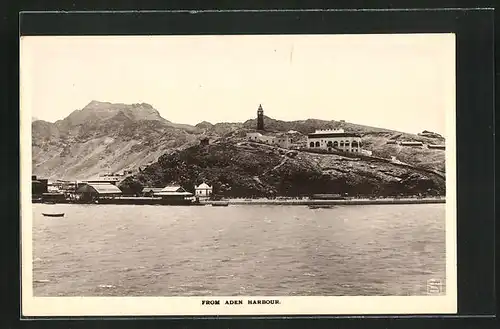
point(329, 202)
point(261, 202)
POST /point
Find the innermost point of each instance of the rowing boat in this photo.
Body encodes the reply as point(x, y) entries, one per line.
point(53, 215)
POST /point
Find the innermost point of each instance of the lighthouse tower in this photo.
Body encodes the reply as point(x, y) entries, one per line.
point(260, 118)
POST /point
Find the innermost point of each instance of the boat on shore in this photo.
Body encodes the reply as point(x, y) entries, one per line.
point(53, 215)
point(220, 204)
point(319, 206)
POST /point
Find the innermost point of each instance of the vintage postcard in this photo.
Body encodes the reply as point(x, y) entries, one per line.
point(238, 175)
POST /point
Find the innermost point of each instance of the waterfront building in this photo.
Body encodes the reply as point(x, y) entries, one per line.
point(54, 197)
point(203, 191)
point(38, 185)
point(174, 193)
point(150, 191)
point(334, 139)
point(89, 191)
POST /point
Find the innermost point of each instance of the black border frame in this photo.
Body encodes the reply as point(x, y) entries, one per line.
point(474, 30)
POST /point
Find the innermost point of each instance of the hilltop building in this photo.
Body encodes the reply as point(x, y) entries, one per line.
point(334, 139)
point(281, 140)
point(412, 144)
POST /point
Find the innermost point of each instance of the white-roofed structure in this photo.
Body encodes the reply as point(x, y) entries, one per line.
point(150, 191)
point(203, 191)
point(173, 191)
point(96, 190)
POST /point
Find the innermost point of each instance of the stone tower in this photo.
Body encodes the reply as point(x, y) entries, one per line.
point(260, 118)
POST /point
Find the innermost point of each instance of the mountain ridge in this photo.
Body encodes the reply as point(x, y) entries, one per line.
point(111, 137)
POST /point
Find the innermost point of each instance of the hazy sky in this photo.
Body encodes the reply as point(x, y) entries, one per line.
point(402, 82)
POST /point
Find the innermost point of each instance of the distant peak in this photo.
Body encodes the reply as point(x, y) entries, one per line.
point(146, 105)
point(96, 104)
point(204, 123)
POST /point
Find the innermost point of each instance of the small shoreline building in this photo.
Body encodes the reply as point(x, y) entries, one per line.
point(334, 139)
point(203, 191)
point(174, 194)
point(150, 191)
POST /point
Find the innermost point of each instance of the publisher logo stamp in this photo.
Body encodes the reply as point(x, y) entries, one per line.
point(434, 286)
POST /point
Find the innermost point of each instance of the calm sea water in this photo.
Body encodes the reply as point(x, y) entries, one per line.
point(111, 250)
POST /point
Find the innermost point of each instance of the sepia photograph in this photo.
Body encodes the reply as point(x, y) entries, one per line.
point(238, 174)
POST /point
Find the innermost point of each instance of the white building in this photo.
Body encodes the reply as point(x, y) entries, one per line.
point(281, 140)
point(331, 139)
point(254, 136)
point(203, 191)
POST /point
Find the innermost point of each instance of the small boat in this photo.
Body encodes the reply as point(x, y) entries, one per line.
point(318, 206)
point(220, 204)
point(53, 215)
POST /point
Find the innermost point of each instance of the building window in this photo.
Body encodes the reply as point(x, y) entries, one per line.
point(347, 144)
point(341, 143)
point(354, 144)
point(312, 144)
point(317, 144)
point(329, 144)
point(335, 144)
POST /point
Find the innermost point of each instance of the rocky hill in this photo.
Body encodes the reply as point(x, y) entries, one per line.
point(251, 169)
point(105, 137)
point(373, 139)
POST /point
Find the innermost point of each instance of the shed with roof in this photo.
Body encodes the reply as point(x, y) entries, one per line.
point(173, 192)
point(96, 190)
point(151, 191)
